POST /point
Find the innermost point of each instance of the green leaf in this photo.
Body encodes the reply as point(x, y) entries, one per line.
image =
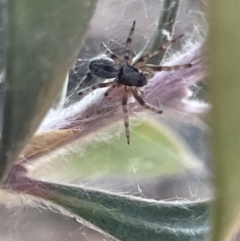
point(129, 218)
point(224, 82)
point(3, 35)
point(154, 150)
point(44, 39)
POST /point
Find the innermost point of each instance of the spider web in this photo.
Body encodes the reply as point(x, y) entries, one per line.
point(111, 25)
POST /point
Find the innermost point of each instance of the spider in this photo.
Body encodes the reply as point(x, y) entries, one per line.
point(131, 76)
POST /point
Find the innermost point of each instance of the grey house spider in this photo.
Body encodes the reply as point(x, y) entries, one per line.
point(129, 75)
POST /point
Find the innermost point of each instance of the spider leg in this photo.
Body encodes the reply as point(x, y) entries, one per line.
point(125, 111)
point(144, 104)
point(147, 56)
point(128, 44)
point(141, 92)
point(110, 89)
point(149, 67)
point(110, 54)
point(96, 86)
point(149, 74)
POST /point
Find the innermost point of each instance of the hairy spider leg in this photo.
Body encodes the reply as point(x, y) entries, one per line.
point(147, 56)
point(125, 111)
point(149, 67)
point(96, 86)
point(128, 44)
point(111, 55)
point(144, 104)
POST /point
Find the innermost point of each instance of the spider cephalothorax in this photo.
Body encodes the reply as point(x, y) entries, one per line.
point(129, 75)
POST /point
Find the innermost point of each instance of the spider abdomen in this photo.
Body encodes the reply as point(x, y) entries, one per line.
point(104, 68)
point(130, 76)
